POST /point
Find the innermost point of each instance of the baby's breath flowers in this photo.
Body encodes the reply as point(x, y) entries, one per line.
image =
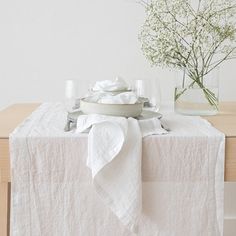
point(195, 36)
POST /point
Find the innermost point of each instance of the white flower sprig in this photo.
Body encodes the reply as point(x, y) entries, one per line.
point(196, 38)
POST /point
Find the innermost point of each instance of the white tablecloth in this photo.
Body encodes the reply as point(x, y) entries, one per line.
point(53, 194)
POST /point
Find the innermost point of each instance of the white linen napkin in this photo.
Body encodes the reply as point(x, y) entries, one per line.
point(110, 85)
point(151, 126)
point(114, 157)
point(104, 92)
point(121, 98)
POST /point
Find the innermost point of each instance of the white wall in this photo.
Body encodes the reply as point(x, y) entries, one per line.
point(44, 42)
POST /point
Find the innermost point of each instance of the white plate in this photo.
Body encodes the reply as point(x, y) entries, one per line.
point(144, 115)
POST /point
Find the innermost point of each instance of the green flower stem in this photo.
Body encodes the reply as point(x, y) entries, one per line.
point(210, 96)
point(177, 95)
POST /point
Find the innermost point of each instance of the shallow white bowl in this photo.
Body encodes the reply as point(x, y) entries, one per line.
point(116, 92)
point(126, 110)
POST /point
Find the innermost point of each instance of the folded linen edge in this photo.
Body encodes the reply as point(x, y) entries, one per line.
point(132, 226)
point(84, 122)
point(100, 163)
point(94, 121)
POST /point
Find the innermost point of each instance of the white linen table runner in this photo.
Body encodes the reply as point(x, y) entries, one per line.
point(53, 193)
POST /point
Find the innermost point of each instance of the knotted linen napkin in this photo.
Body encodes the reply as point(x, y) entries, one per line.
point(114, 157)
point(109, 85)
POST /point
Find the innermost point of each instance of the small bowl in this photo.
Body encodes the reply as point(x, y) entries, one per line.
point(126, 110)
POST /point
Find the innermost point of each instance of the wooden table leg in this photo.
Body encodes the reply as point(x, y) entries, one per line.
point(4, 208)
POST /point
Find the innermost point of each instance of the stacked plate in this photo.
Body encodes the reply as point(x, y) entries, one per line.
point(129, 106)
point(118, 102)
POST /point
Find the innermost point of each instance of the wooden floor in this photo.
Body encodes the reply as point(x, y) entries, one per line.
point(13, 115)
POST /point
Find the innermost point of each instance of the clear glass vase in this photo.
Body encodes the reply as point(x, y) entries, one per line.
point(197, 96)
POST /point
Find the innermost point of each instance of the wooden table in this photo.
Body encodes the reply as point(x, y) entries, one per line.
point(10, 117)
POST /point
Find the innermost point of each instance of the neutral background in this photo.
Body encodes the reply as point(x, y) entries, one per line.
point(44, 42)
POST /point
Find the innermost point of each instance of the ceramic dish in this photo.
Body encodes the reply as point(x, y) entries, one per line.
point(126, 110)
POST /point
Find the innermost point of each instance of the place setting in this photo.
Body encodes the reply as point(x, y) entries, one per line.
point(113, 98)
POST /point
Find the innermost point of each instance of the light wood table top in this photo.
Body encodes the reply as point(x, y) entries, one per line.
point(13, 116)
point(225, 120)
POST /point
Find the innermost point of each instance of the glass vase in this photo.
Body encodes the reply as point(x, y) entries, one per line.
point(197, 96)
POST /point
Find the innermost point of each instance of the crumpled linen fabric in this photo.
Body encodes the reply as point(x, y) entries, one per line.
point(114, 157)
point(110, 85)
point(53, 192)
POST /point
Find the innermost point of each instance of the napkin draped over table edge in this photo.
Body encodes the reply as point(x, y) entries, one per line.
point(115, 147)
